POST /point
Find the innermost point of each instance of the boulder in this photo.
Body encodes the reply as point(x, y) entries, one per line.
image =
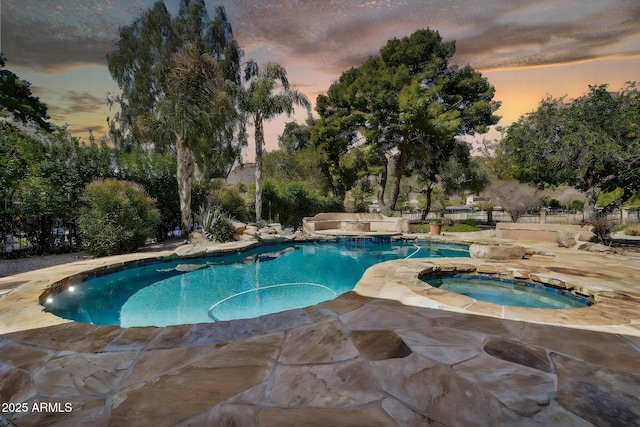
point(267, 231)
point(495, 251)
point(586, 236)
point(566, 238)
point(196, 238)
point(276, 226)
point(251, 231)
point(191, 250)
point(240, 227)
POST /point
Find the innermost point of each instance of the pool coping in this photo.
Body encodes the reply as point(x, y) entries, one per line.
point(617, 308)
point(614, 311)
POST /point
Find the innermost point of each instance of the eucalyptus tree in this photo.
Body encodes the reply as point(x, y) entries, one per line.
point(406, 102)
point(267, 95)
point(156, 57)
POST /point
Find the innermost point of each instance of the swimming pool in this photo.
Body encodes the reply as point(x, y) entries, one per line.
point(263, 280)
point(507, 292)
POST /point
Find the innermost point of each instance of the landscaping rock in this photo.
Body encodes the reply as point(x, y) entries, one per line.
point(496, 251)
point(240, 227)
point(251, 230)
point(197, 238)
point(267, 231)
point(566, 238)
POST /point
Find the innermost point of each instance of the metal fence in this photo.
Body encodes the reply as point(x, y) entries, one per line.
point(619, 216)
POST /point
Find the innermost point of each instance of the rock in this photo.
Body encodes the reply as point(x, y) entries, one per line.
point(600, 396)
point(586, 236)
point(272, 238)
point(276, 226)
point(595, 247)
point(185, 268)
point(496, 251)
point(239, 226)
point(566, 238)
point(191, 250)
point(268, 230)
point(240, 229)
point(196, 238)
point(251, 230)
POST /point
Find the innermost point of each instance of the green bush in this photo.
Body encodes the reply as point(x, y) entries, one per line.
point(118, 217)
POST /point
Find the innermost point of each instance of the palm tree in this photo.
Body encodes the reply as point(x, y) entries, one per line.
point(198, 114)
point(268, 95)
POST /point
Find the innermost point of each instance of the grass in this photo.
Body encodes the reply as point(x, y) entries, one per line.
point(457, 227)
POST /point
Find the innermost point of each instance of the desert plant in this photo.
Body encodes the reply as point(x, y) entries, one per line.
point(118, 217)
point(216, 224)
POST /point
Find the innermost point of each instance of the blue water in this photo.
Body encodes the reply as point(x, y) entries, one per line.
point(507, 292)
point(264, 280)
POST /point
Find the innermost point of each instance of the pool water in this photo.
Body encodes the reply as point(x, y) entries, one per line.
point(263, 280)
point(507, 292)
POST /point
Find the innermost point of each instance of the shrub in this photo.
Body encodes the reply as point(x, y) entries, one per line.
point(232, 202)
point(216, 224)
point(602, 229)
point(632, 230)
point(118, 217)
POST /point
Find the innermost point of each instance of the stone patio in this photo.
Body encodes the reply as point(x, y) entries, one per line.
point(377, 356)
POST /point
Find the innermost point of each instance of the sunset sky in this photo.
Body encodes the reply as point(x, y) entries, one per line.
point(526, 49)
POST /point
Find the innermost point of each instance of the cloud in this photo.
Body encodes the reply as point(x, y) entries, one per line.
point(56, 35)
point(84, 131)
point(75, 102)
point(488, 34)
point(334, 35)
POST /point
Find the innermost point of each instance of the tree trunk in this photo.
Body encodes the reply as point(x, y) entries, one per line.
point(400, 164)
point(590, 199)
point(259, 140)
point(184, 174)
point(382, 184)
point(428, 196)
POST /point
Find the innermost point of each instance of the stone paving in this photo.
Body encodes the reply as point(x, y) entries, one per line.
point(376, 356)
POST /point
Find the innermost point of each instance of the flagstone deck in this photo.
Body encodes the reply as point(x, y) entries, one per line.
point(372, 357)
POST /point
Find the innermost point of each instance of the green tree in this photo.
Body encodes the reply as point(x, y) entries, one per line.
point(591, 142)
point(268, 94)
point(295, 136)
point(198, 112)
point(44, 178)
point(17, 101)
point(450, 166)
point(406, 102)
point(174, 74)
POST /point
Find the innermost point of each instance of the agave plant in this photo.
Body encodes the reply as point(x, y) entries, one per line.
point(216, 224)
